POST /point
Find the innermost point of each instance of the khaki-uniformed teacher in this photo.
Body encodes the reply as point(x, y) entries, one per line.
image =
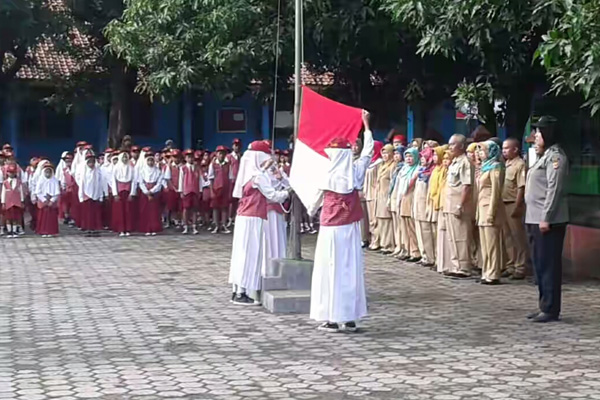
point(546, 218)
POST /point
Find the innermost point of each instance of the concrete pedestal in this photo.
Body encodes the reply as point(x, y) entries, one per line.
point(286, 286)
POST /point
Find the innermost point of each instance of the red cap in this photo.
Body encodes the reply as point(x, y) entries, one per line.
point(12, 168)
point(339, 143)
point(221, 148)
point(88, 147)
point(7, 146)
point(237, 141)
point(277, 152)
point(135, 148)
point(399, 138)
point(175, 152)
point(147, 149)
point(260, 145)
point(286, 152)
point(80, 143)
point(198, 154)
point(188, 152)
point(268, 142)
point(109, 150)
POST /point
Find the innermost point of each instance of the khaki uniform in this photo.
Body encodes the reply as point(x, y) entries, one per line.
point(423, 222)
point(515, 237)
point(490, 220)
point(395, 210)
point(370, 196)
point(459, 224)
point(384, 227)
point(409, 235)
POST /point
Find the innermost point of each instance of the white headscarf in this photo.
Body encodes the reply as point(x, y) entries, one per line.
point(47, 186)
point(60, 168)
point(250, 166)
point(123, 172)
point(91, 184)
point(340, 176)
point(149, 174)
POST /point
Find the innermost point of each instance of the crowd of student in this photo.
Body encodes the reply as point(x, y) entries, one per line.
point(455, 208)
point(128, 190)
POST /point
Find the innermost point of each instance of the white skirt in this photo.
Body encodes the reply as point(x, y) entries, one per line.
point(247, 253)
point(338, 284)
point(275, 238)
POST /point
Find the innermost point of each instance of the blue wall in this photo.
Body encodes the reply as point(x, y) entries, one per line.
point(211, 104)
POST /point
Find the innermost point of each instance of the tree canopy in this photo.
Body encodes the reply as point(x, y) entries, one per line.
point(570, 51)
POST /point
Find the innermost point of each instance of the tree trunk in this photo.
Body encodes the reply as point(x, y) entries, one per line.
point(122, 83)
point(2, 111)
point(487, 111)
point(518, 110)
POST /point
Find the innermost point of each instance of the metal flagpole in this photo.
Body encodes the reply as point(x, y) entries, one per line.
point(294, 245)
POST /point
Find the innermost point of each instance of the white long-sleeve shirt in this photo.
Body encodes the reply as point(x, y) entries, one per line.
point(13, 184)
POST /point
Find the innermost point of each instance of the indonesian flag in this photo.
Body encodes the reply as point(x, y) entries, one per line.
point(321, 121)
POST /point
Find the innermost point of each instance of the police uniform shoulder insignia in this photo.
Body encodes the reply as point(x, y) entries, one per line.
point(556, 162)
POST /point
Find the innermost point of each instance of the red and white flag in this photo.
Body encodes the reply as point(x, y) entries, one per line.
point(321, 121)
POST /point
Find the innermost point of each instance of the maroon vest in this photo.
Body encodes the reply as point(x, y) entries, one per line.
point(340, 209)
point(275, 207)
point(221, 180)
point(252, 203)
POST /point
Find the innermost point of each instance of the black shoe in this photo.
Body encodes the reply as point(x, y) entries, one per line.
point(506, 273)
point(543, 318)
point(243, 300)
point(349, 327)
point(516, 277)
point(491, 282)
point(386, 252)
point(413, 259)
point(365, 245)
point(532, 315)
point(232, 297)
point(329, 327)
point(403, 258)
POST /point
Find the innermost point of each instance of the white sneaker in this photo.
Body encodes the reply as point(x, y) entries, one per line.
point(185, 230)
point(216, 230)
point(122, 234)
point(195, 231)
point(127, 234)
point(153, 234)
point(147, 234)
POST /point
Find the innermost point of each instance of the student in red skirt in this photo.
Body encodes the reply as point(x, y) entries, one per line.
point(67, 185)
point(221, 176)
point(91, 194)
point(47, 194)
point(151, 184)
point(173, 197)
point(189, 188)
point(234, 160)
point(13, 201)
point(106, 166)
point(123, 187)
point(205, 209)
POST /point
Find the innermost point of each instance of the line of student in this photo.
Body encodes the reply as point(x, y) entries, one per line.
point(127, 190)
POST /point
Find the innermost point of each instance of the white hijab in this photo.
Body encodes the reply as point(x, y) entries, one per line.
point(123, 172)
point(47, 186)
point(149, 174)
point(60, 168)
point(340, 176)
point(91, 184)
point(250, 166)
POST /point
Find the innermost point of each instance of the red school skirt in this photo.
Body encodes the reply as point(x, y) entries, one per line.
point(150, 214)
point(122, 213)
point(47, 221)
point(90, 215)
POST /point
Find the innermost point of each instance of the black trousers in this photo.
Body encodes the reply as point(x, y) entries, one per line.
point(546, 253)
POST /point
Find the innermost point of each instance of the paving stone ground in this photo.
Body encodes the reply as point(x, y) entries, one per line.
point(149, 318)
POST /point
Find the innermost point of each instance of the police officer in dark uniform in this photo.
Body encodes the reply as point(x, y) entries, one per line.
point(546, 218)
